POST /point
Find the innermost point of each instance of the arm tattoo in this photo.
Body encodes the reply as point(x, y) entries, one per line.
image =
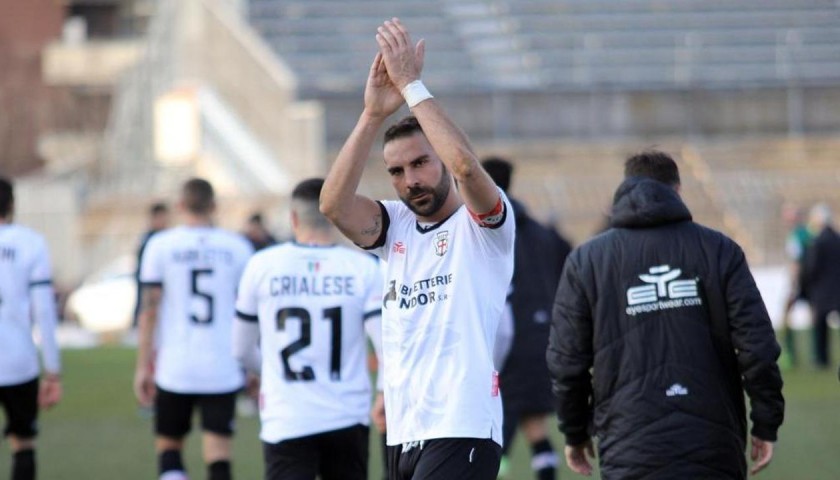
point(150, 299)
point(375, 228)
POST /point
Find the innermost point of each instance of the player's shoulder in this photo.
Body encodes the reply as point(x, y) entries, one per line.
point(397, 211)
point(355, 255)
point(27, 237)
point(232, 240)
point(271, 253)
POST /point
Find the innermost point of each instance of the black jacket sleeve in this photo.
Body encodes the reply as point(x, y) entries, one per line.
point(755, 347)
point(570, 355)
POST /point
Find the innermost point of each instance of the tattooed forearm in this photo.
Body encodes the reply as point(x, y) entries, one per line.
point(375, 228)
point(150, 299)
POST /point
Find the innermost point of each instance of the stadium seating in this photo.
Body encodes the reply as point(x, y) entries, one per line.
point(565, 43)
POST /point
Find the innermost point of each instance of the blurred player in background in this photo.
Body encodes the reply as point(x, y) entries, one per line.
point(821, 278)
point(308, 303)
point(526, 385)
point(257, 233)
point(26, 294)
point(184, 357)
point(158, 220)
point(449, 254)
point(797, 242)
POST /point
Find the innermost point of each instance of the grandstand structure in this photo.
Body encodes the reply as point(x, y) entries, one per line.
point(746, 94)
point(256, 94)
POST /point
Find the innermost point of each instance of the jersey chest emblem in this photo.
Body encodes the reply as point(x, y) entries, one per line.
point(441, 243)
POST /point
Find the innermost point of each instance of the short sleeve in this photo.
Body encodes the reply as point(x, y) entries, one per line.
point(389, 214)
point(497, 239)
point(373, 296)
point(41, 273)
point(151, 265)
point(247, 295)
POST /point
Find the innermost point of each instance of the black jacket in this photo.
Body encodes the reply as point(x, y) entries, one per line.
point(821, 272)
point(668, 318)
point(539, 255)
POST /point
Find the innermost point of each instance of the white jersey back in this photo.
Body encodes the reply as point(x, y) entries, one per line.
point(445, 292)
point(311, 303)
point(198, 269)
point(24, 265)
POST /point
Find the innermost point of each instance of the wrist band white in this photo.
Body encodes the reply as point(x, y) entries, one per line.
point(415, 92)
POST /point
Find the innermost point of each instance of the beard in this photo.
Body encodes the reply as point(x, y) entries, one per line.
point(426, 201)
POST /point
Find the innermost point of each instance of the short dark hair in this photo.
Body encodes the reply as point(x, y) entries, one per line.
point(500, 170)
point(308, 190)
point(198, 196)
point(406, 127)
point(158, 208)
point(7, 197)
point(653, 164)
point(305, 200)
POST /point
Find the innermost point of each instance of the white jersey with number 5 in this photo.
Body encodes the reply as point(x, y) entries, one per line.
point(25, 292)
point(198, 269)
point(311, 303)
point(446, 286)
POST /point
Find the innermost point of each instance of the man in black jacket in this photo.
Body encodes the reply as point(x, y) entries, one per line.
point(821, 277)
point(657, 330)
point(539, 254)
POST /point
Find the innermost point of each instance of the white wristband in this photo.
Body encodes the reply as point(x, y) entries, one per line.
point(415, 92)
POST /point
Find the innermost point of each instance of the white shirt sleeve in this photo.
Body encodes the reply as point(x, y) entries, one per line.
point(246, 328)
point(42, 298)
point(151, 265)
point(373, 320)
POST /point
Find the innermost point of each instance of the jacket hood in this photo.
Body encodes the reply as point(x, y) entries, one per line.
point(644, 203)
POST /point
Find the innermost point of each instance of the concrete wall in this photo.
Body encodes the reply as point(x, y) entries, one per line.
point(599, 114)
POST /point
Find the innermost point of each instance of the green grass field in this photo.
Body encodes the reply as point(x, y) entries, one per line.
point(97, 433)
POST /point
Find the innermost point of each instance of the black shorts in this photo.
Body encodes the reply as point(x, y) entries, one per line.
point(446, 459)
point(21, 405)
point(173, 412)
point(336, 455)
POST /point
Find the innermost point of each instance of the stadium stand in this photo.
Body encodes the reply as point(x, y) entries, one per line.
point(643, 44)
point(746, 94)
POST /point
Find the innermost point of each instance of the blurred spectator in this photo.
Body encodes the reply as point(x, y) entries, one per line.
point(158, 220)
point(539, 254)
point(821, 277)
point(257, 233)
point(798, 239)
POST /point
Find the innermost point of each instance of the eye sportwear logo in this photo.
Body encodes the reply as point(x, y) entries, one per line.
point(663, 291)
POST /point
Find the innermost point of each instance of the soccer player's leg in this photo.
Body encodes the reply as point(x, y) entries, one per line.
point(217, 423)
point(461, 458)
point(21, 405)
point(295, 459)
point(344, 454)
point(544, 460)
point(173, 420)
point(509, 426)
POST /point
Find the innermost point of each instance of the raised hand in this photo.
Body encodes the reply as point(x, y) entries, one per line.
point(382, 97)
point(403, 60)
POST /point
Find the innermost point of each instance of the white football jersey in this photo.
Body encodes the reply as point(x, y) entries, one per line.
point(198, 269)
point(311, 303)
point(25, 293)
point(445, 290)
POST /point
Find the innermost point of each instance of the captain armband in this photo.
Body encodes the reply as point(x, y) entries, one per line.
point(492, 219)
